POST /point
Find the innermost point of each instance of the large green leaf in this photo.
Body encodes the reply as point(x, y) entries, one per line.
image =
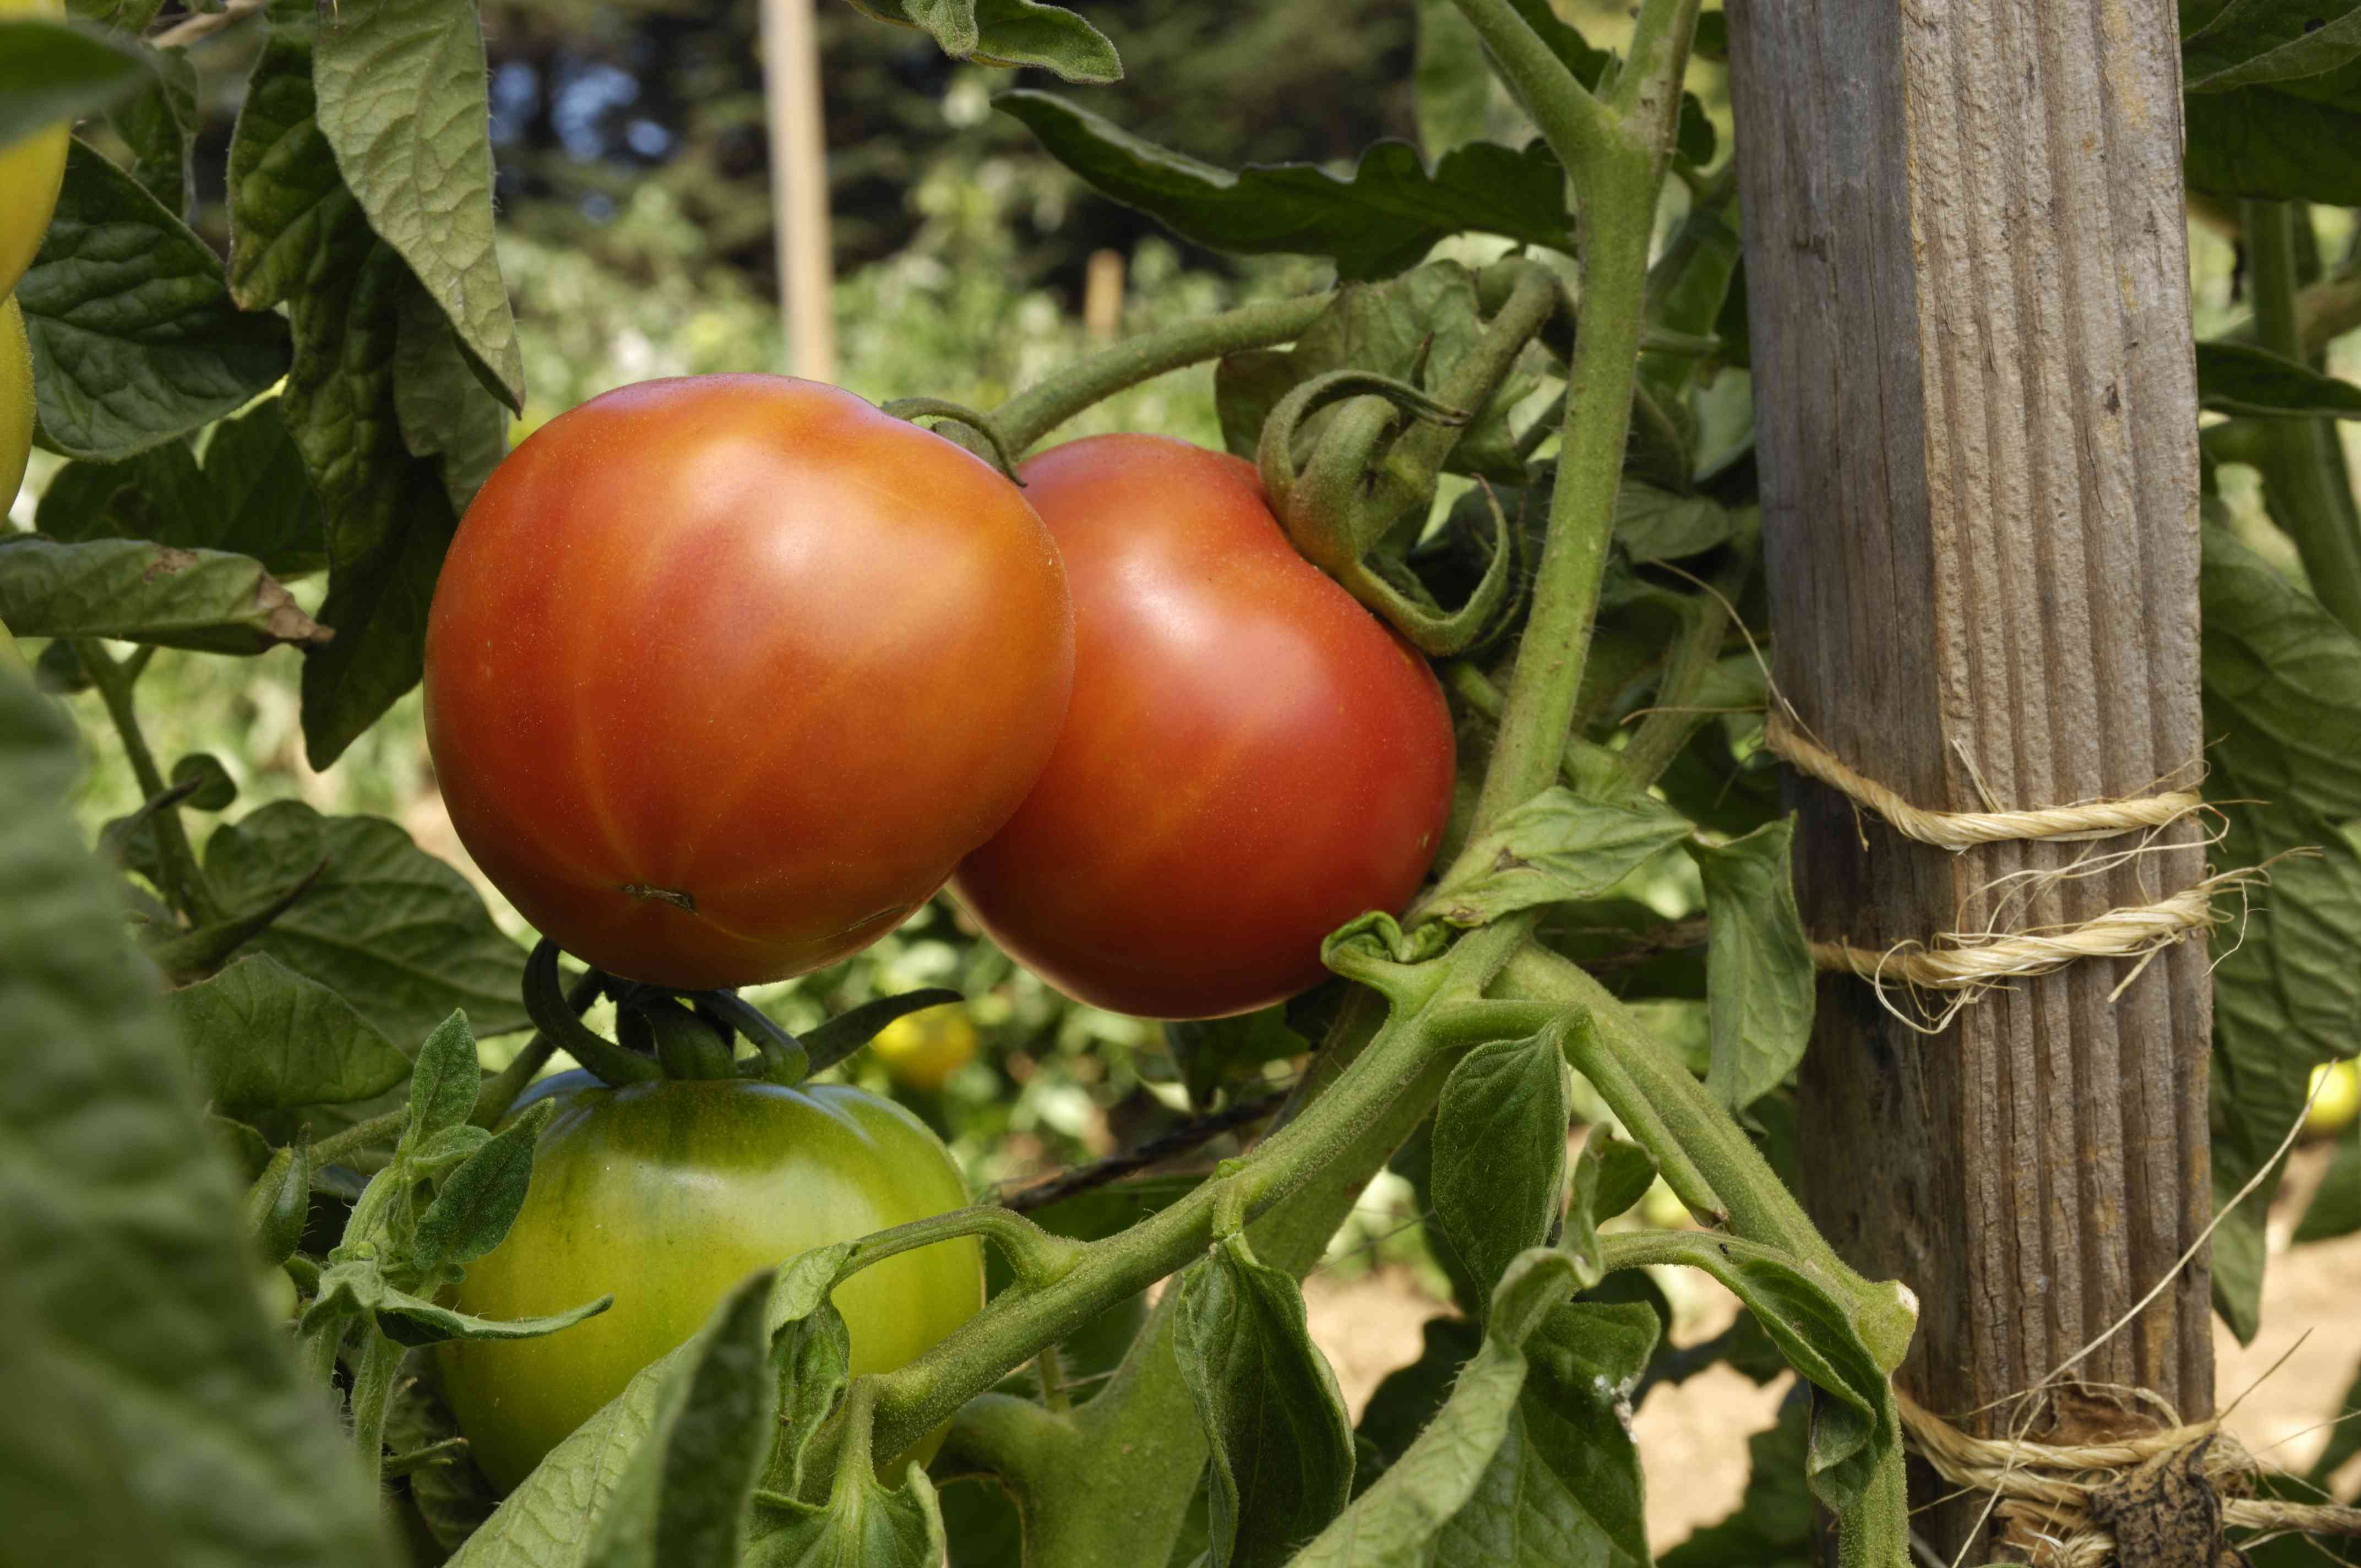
point(2239, 378)
point(401, 88)
point(1395, 1522)
point(1283, 1451)
point(2249, 41)
point(2269, 143)
point(1759, 986)
point(50, 72)
point(395, 930)
point(1007, 32)
point(389, 512)
point(1382, 218)
point(682, 1502)
point(264, 1036)
point(1557, 847)
point(251, 497)
point(153, 1415)
point(135, 339)
point(159, 124)
point(1498, 1171)
point(134, 591)
point(861, 1524)
point(2335, 1207)
point(547, 1523)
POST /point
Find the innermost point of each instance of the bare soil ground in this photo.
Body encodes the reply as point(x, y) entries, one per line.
point(2281, 1390)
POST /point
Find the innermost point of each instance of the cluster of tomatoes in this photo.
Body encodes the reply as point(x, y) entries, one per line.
point(31, 170)
point(727, 676)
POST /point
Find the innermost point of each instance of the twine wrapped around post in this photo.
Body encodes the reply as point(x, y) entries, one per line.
point(2159, 1498)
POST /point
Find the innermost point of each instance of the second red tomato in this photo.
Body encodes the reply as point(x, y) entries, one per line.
point(1250, 758)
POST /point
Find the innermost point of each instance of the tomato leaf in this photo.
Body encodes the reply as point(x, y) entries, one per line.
point(1587, 1359)
point(451, 1496)
point(398, 932)
point(1555, 847)
point(49, 73)
point(445, 411)
point(251, 497)
point(262, 1035)
point(2335, 1207)
point(2249, 42)
point(132, 591)
point(409, 1319)
point(400, 96)
point(2239, 378)
point(1760, 985)
point(861, 1524)
point(682, 1502)
point(1401, 1406)
point(476, 1204)
point(444, 1082)
point(1499, 1176)
point(2274, 144)
point(1654, 524)
point(135, 339)
point(547, 1521)
point(1609, 1176)
point(1451, 83)
point(1394, 1523)
point(298, 235)
point(148, 1400)
point(1283, 1450)
point(1007, 32)
point(159, 124)
point(1378, 221)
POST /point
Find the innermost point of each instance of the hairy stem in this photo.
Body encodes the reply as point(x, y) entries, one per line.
point(1577, 126)
point(2302, 465)
point(183, 884)
point(1036, 411)
point(372, 1396)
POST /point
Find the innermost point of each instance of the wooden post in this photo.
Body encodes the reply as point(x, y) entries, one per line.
point(799, 187)
point(1977, 432)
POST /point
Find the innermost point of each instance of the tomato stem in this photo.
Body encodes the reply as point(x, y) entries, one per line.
point(1041, 407)
point(372, 1396)
point(182, 881)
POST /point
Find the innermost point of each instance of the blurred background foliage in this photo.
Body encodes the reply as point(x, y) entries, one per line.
point(636, 240)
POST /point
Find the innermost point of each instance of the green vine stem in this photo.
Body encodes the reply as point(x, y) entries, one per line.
point(373, 1396)
point(2303, 468)
point(184, 882)
point(1042, 408)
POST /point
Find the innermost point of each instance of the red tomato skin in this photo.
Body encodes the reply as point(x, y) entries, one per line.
point(747, 640)
point(1250, 758)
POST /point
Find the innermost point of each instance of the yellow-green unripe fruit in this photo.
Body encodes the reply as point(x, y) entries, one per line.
point(31, 168)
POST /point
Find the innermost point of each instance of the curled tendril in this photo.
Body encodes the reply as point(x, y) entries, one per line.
point(546, 1004)
point(917, 409)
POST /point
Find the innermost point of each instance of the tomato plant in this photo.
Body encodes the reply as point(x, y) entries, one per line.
point(725, 674)
point(665, 1196)
point(1414, 754)
point(1250, 761)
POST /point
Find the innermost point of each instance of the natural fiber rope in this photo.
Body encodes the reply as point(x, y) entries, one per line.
point(1959, 831)
point(1970, 961)
point(2049, 1486)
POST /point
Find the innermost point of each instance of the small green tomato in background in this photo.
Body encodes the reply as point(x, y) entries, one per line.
point(16, 400)
point(922, 1050)
point(2336, 1098)
point(669, 1195)
point(31, 170)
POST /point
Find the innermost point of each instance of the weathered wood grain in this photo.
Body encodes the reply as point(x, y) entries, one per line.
point(1976, 407)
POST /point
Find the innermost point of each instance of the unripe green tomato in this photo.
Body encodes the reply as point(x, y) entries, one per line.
point(668, 1195)
point(31, 169)
point(16, 400)
point(277, 1293)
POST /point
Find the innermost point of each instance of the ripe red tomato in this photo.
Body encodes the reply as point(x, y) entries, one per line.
point(724, 674)
point(1250, 759)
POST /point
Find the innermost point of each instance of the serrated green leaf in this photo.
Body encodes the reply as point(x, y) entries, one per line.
point(251, 497)
point(133, 591)
point(1498, 1173)
point(1383, 218)
point(1586, 1361)
point(1760, 984)
point(1611, 1175)
point(1653, 524)
point(400, 96)
point(159, 124)
point(134, 338)
point(1522, 1516)
point(1557, 847)
point(1283, 1451)
point(444, 1081)
point(1401, 1406)
point(50, 73)
point(1007, 32)
point(397, 931)
point(476, 1204)
point(1394, 1523)
point(285, 195)
point(861, 1524)
point(2269, 144)
point(263, 1036)
point(2251, 41)
point(2239, 378)
point(149, 1402)
point(445, 411)
point(682, 1502)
